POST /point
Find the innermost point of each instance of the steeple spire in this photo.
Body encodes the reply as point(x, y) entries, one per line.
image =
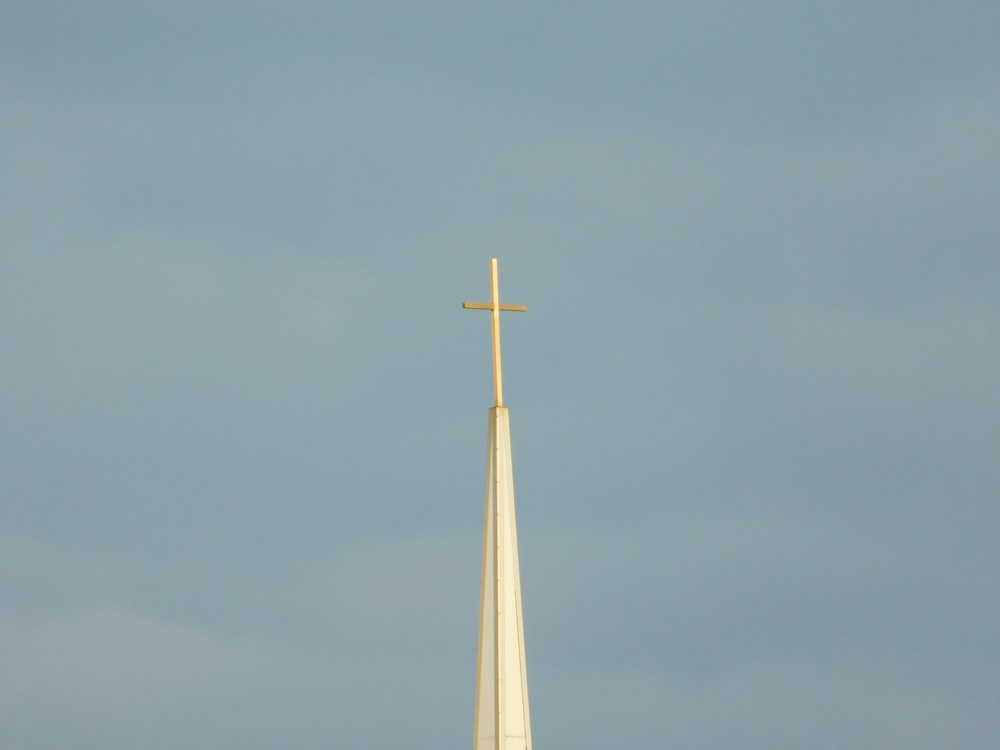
point(502, 720)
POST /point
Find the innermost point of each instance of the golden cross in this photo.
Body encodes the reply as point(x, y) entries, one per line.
point(495, 307)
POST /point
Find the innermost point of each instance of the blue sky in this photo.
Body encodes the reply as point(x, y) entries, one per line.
point(754, 401)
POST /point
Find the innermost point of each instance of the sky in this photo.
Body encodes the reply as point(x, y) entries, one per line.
point(754, 401)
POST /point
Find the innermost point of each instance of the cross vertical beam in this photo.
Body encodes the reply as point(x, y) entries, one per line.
point(495, 314)
point(495, 308)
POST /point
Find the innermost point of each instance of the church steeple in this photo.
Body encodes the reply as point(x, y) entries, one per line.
point(502, 720)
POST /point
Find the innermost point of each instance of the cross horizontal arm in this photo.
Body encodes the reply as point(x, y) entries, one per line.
point(489, 306)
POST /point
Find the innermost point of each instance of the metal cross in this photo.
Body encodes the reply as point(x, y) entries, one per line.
point(495, 307)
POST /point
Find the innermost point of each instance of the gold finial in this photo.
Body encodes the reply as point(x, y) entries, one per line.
point(495, 307)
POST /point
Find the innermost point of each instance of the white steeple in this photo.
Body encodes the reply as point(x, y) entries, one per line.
point(502, 720)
